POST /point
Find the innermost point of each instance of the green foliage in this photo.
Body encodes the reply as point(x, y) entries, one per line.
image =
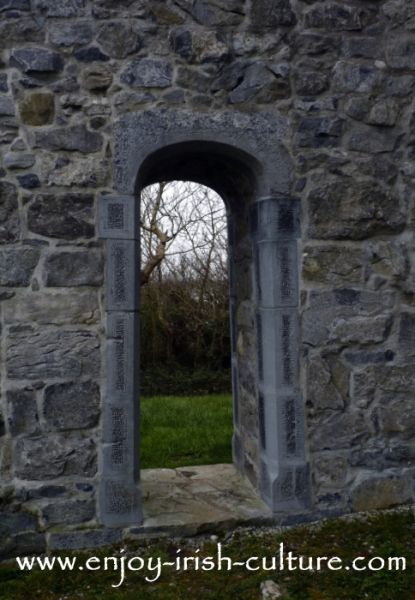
point(176, 380)
point(185, 340)
point(177, 432)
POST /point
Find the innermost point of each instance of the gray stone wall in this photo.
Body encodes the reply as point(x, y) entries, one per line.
point(342, 75)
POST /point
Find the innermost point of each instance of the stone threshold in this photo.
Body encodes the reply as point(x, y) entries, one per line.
point(201, 499)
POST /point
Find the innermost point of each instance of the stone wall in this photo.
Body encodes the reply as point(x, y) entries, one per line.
point(343, 76)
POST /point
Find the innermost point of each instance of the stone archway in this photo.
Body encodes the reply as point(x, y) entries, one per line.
point(242, 158)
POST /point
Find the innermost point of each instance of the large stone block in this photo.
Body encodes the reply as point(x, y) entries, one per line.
point(13, 31)
point(334, 265)
point(75, 137)
point(54, 307)
point(407, 335)
point(36, 60)
point(72, 269)
point(17, 266)
point(360, 330)
point(7, 107)
point(396, 416)
point(272, 13)
point(339, 431)
point(67, 216)
point(85, 171)
point(335, 17)
point(69, 34)
point(71, 405)
point(70, 512)
point(328, 307)
point(354, 77)
point(9, 217)
point(22, 411)
point(127, 9)
point(319, 132)
point(52, 353)
point(148, 73)
point(352, 209)
point(400, 51)
point(119, 39)
point(322, 391)
point(48, 457)
point(382, 492)
point(261, 83)
point(23, 544)
point(85, 539)
point(18, 160)
point(61, 8)
point(37, 109)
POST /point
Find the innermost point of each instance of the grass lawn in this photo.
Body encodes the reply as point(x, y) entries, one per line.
point(186, 431)
point(389, 534)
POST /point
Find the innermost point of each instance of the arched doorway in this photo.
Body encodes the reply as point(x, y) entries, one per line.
point(241, 157)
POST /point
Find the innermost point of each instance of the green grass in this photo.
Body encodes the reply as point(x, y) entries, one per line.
point(388, 534)
point(185, 431)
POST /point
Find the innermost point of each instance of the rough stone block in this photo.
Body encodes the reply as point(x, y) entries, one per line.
point(7, 108)
point(69, 34)
point(61, 8)
point(67, 216)
point(23, 544)
point(54, 307)
point(335, 17)
point(97, 78)
point(334, 265)
point(93, 538)
point(322, 392)
point(9, 217)
point(400, 51)
point(37, 109)
point(339, 431)
point(382, 492)
point(352, 77)
point(17, 266)
point(73, 269)
point(354, 210)
point(319, 132)
point(119, 39)
point(148, 72)
point(396, 416)
point(360, 330)
point(70, 512)
point(71, 405)
point(326, 307)
point(407, 335)
point(85, 172)
point(22, 411)
point(18, 160)
point(13, 31)
point(75, 137)
point(272, 13)
point(51, 353)
point(36, 60)
point(48, 457)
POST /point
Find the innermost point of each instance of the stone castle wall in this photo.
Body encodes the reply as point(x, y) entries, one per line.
point(342, 75)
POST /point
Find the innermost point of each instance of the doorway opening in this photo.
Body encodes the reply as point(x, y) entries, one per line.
point(185, 375)
point(242, 158)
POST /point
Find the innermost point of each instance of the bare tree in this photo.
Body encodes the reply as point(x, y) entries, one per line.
point(178, 219)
